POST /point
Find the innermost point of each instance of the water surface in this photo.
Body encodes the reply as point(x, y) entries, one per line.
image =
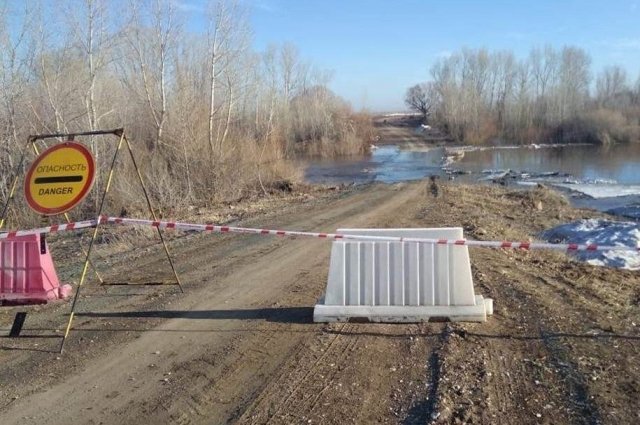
point(390, 164)
point(387, 164)
point(603, 168)
point(616, 163)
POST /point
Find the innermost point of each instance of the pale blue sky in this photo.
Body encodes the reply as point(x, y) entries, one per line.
point(378, 48)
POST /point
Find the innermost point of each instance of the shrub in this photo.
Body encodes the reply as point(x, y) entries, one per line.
point(601, 126)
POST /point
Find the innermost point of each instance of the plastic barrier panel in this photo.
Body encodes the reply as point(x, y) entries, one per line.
point(401, 281)
point(27, 274)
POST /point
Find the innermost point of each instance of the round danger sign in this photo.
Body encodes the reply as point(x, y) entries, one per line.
point(60, 178)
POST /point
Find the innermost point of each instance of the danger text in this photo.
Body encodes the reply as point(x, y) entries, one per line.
point(56, 191)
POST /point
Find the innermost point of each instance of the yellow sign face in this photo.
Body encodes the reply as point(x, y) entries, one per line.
point(60, 178)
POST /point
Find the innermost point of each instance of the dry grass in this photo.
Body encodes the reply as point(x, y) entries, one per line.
point(601, 126)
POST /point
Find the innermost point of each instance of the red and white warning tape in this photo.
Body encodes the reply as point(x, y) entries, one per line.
point(332, 236)
point(338, 236)
point(50, 229)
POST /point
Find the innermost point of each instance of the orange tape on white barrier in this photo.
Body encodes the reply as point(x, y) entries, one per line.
point(332, 236)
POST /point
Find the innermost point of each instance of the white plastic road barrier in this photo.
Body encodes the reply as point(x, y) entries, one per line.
point(401, 281)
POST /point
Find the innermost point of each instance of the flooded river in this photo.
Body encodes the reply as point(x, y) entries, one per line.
point(390, 164)
point(615, 163)
point(387, 164)
point(602, 177)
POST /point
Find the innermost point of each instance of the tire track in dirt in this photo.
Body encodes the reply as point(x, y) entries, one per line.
point(580, 323)
point(493, 375)
point(238, 361)
point(587, 412)
point(297, 395)
point(389, 379)
point(427, 409)
point(542, 354)
point(558, 333)
point(321, 263)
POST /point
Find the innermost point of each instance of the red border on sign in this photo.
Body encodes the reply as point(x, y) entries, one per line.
point(75, 201)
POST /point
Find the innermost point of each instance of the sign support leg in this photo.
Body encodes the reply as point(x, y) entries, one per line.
point(93, 238)
point(84, 251)
point(153, 214)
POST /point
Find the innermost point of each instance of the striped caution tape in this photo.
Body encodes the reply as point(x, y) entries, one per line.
point(331, 236)
point(50, 229)
point(337, 236)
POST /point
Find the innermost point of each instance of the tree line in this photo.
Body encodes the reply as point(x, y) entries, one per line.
point(478, 96)
point(211, 118)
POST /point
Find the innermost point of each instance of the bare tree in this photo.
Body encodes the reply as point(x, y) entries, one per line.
point(610, 84)
point(483, 94)
point(227, 40)
point(421, 98)
point(96, 40)
point(574, 79)
point(68, 65)
point(150, 49)
point(16, 56)
point(520, 117)
point(290, 67)
point(544, 69)
point(58, 101)
point(506, 68)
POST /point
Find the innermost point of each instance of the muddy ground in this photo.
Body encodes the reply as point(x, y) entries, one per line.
point(239, 345)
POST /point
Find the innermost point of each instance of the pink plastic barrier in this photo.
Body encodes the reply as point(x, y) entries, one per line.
point(27, 276)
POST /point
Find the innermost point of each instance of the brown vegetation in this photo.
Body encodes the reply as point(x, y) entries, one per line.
point(209, 118)
point(480, 96)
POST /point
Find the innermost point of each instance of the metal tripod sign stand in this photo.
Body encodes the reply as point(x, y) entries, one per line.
point(63, 200)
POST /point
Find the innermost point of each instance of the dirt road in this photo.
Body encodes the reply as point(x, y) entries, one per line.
point(239, 346)
point(406, 132)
